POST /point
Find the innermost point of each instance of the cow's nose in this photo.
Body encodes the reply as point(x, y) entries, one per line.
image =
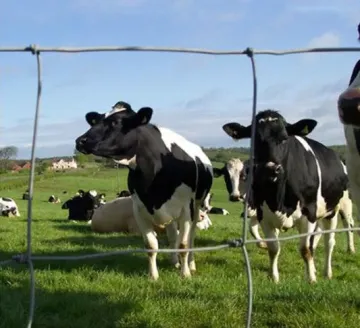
point(349, 106)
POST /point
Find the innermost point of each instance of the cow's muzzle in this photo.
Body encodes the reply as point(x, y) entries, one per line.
point(349, 107)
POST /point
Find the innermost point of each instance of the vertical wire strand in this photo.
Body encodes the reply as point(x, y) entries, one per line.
point(31, 192)
point(250, 54)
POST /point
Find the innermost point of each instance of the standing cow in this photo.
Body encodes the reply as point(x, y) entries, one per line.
point(297, 182)
point(234, 173)
point(169, 176)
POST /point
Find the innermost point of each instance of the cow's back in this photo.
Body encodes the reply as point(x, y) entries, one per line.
point(333, 177)
point(178, 172)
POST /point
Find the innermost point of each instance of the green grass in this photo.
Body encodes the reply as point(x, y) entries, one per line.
point(115, 291)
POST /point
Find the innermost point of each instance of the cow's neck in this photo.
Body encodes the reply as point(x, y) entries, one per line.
point(150, 151)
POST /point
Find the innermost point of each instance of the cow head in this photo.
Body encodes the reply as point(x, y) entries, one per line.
point(349, 100)
point(114, 134)
point(231, 172)
point(272, 133)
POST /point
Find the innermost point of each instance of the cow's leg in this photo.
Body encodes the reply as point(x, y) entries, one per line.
point(273, 248)
point(147, 230)
point(314, 239)
point(254, 231)
point(306, 251)
point(329, 243)
point(184, 241)
point(172, 235)
point(346, 209)
point(192, 234)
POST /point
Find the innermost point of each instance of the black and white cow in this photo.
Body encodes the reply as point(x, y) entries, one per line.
point(206, 206)
point(8, 207)
point(169, 176)
point(82, 205)
point(345, 211)
point(234, 173)
point(349, 114)
point(297, 182)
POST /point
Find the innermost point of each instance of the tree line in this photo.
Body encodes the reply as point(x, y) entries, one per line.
point(9, 154)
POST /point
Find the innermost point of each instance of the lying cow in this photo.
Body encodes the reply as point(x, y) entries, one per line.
point(169, 176)
point(8, 207)
point(206, 206)
point(54, 199)
point(123, 193)
point(118, 216)
point(307, 188)
point(81, 206)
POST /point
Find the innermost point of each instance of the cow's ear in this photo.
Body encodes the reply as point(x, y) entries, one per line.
point(142, 117)
point(218, 172)
point(301, 128)
point(93, 118)
point(237, 131)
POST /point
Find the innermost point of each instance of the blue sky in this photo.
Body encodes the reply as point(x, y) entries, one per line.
point(191, 94)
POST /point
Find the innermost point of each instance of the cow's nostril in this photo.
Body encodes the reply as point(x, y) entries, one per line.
point(82, 141)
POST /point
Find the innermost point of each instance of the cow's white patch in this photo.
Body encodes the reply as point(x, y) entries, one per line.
point(128, 162)
point(115, 110)
point(320, 201)
point(170, 137)
point(234, 167)
point(268, 119)
point(93, 193)
point(171, 210)
point(280, 220)
point(7, 204)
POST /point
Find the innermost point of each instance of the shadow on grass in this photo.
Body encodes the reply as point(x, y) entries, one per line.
point(64, 308)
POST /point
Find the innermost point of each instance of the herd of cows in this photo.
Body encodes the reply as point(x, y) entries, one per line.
point(297, 182)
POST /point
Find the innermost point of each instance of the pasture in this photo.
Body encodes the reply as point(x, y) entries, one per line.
point(115, 291)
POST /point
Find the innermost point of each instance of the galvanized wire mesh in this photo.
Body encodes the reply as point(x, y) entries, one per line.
point(28, 258)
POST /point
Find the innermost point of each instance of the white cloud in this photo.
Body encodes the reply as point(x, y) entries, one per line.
point(328, 39)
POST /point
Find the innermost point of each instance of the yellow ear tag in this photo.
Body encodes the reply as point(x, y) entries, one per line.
point(305, 130)
point(93, 121)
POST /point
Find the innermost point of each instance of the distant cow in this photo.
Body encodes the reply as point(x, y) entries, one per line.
point(81, 206)
point(54, 199)
point(8, 207)
point(169, 176)
point(206, 206)
point(26, 195)
point(298, 181)
point(123, 193)
point(349, 114)
point(234, 173)
point(118, 216)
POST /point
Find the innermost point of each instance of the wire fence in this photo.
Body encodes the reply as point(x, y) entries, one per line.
point(28, 257)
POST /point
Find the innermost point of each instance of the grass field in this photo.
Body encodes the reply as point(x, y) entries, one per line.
point(115, 291)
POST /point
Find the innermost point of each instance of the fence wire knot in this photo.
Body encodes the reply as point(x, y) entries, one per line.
point(21, 258)
point(33, 49)
point(249, 52)
point(236, 243)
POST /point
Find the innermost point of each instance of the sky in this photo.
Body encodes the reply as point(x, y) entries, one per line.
point(194, 95)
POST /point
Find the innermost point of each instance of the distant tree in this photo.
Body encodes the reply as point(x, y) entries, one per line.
point(81, 158)
point(7, 153)
point(42, 166)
